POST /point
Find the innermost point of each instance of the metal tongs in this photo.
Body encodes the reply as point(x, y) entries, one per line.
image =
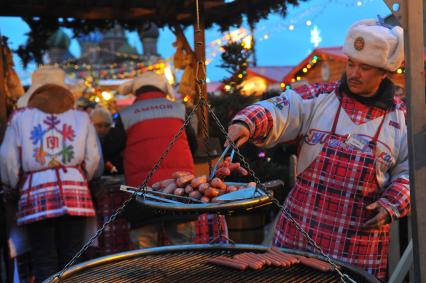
point(221, 158)
point(249, 192)
point(158, 196)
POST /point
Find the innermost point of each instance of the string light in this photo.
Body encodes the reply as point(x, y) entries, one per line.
point(399, 71)
point(308, 23)
point(291, 27)
point(107, 95)
point(305, 70)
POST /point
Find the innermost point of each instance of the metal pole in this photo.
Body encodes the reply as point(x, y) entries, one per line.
point(3, 106)
point(410, 15)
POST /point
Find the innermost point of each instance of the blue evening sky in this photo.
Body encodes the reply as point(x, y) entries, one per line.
point(287, 43)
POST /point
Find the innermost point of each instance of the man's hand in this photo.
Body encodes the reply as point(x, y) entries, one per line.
point(381, 218)
point(238, 133)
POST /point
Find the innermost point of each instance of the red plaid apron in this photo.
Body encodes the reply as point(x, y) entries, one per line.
point(207, 229)
point(329, 201)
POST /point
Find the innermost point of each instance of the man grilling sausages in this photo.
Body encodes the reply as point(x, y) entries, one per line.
point(352, 174)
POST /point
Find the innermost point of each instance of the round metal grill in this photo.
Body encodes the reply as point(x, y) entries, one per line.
point(188, 264)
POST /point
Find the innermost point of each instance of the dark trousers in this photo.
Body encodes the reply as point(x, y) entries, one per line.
point(54, 242)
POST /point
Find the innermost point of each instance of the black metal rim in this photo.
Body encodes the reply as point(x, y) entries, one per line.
point(200, 247)
point(207, 207)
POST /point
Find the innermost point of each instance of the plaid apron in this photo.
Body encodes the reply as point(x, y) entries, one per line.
point(207, 229)
point(329, 200)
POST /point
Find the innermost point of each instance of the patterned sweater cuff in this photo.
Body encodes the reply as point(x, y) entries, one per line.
point(258, 120)
point(390, 208)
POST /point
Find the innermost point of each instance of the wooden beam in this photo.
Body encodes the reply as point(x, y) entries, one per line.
point(73, 11)
point(200, 60)
point(410, 14)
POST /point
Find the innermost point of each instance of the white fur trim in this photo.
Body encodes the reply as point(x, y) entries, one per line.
point(148, 78)
point(383, 47)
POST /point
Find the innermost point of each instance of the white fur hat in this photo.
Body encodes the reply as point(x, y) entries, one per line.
point(47, 74)
point(151, 79)
point(375, 44)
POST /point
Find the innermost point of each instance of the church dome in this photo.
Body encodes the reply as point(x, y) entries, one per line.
point(59, 40)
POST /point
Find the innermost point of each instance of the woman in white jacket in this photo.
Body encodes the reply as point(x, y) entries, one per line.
point(49, 153)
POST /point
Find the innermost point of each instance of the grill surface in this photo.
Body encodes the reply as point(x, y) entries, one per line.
point(188, 264)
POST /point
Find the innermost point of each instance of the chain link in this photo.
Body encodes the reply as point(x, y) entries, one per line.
point(141, 188)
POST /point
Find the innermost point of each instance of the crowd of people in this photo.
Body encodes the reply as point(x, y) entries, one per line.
point(352, 173)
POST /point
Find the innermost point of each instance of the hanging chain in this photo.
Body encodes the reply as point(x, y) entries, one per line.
point(344, 277)
point(123, 206)
point(203, 103)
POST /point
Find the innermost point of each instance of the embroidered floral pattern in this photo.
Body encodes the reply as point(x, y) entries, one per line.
point(52, 141)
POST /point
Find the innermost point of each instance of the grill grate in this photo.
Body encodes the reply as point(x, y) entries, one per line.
point(163, 265)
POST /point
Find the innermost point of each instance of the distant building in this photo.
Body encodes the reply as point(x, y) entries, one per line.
point(58, 48)
point(97, 48)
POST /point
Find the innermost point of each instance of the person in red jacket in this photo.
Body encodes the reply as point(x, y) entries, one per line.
point(143, 131)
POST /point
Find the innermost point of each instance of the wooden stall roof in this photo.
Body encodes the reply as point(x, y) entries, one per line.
point(161, 12)
point(335, 53)
point(273, 74)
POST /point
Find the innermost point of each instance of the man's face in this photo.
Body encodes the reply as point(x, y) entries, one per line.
point(102, 128)
point(363, 80)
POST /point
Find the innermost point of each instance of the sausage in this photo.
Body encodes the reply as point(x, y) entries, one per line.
point(291, 258)
point(273, 260)
point(234, 166)
point(224, 261)
point(203, 187)
point(222, 172)
point(218, 183)
point(211, 192)
point(205, 199)
point(242, 171)
point(195, 194)
point(169, 189)
point(252, 263)
point(283, 261)
point(166, 182)
point(179, 174)
point(182, 181)
point(256, 258)
point(264, 259)
point(179, 191)
point(156, 186)
point(198, 181)
point(189, 189)
point(231, 189)
point(316, 264)
point(251, 184)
